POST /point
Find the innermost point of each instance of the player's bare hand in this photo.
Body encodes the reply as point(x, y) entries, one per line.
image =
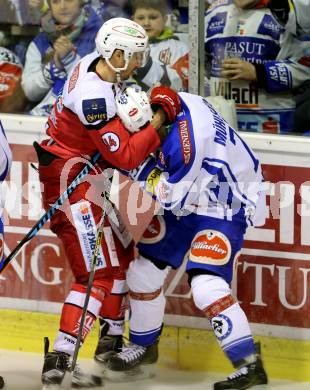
point(237, 69)
point(62, 47)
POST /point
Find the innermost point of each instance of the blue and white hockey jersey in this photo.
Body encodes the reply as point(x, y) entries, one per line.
point(205, 167)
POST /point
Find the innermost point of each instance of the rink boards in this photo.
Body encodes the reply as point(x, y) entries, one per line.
point(272, 274)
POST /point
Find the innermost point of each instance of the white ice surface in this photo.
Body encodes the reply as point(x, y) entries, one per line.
point(21, 371)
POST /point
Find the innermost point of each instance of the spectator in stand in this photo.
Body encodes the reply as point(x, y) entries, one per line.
point(37, 9)
point(68, 33)
point(248, 66)
point(168, 61)
point(293, 14)
point(12, 97)
point(110, 9)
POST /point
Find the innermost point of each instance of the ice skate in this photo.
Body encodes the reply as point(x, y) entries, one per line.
point(56, 365)
point(135, 362)
point(107, 345)
point(250, 376)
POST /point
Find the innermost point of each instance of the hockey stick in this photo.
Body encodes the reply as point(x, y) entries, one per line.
point(67, 379)
point(51, 211)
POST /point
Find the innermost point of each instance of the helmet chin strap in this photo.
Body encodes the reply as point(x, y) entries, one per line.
point(117, 70)
point(118, 77)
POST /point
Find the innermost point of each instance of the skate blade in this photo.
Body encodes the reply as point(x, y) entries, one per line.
point(99, 368)
point(67, 380)
point(50, 387)
point(65, 384)
point(257, 387)
point(146, 371)
point(101, 363)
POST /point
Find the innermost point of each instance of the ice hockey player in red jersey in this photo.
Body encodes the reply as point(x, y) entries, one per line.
point(83, 121)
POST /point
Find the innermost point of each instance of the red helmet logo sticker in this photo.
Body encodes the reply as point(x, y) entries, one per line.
point(155, 231)
point(210, 247)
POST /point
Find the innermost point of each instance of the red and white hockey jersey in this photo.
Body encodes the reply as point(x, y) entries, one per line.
point(83, 120)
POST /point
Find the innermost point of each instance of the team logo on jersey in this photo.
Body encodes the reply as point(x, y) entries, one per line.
point(94, 110)
point(210, 247)
point(185, 141)
point(155, 231)
point(88, 324)
point(222, 326)
point(164, 56)
point(74, 78)
point(111, 141)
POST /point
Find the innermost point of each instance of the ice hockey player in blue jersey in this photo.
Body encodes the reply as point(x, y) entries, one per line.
point(209, 184)
point(5, 165)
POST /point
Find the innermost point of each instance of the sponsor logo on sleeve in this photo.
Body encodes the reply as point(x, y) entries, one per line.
point(74, 78)
point(210, 247)
point(216, 24)
point(279, 73)
point(185, 141)
point(269, 26)
point(94, 110)
point(111, 141)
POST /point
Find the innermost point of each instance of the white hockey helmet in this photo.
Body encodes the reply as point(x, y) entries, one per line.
point(123, 34)
point(133, 108)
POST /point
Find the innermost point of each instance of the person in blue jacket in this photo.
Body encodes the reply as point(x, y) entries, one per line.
point(68, 33)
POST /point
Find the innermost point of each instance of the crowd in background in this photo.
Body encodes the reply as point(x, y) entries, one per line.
point(251, 58)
